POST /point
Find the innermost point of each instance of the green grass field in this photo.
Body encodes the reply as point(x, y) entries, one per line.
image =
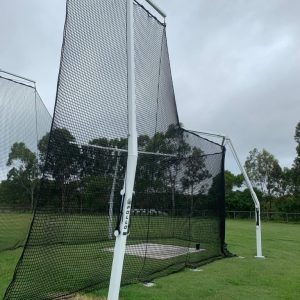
point(276, 277)
point(13, 229)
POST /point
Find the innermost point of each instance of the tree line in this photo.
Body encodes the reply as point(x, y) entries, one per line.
point(67, 175)
point(80, 176)
point(277, 188)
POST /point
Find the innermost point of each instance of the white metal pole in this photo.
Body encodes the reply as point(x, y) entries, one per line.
point(15, 75)
point(255, 199)
point(121, 235)
point(212, 134)
point(159, 10)
point(123, 150)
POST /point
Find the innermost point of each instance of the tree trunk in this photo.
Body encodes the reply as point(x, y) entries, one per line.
point(63, 194)
point(173, 211)
point(192, 199)
point(173, 200)
point(32, 198)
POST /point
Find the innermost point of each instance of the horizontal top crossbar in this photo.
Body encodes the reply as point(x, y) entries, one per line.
point(162, 13)
point(124, 150)
point(18, 76)
point(212, 134)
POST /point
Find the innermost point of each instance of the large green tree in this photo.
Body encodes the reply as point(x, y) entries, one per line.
point(98, 158)
point(24, 172)
point(60, 156)
point(100, 167)
point(285, 183)
point(151, 169)
point(195, 172)
point(296, 165)
point(232, 181)
point(265, 173)
point(174, 143)
point(238, 198)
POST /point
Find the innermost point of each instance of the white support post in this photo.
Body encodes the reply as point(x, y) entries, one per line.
point(255, 200)
point(121, 235)
point(249, 184)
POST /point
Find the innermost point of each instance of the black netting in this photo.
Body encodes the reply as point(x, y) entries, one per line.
point(178, 205)
point(23, 121)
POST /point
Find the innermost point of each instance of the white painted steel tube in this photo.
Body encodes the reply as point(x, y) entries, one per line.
point(18, 76)
point(120, 245)
point(159, 10)
point(123, 150)
point(212, 134)
point(255, 199)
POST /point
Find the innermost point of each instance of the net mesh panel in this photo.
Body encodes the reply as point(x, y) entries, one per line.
point(24, 120)
point(177, 212)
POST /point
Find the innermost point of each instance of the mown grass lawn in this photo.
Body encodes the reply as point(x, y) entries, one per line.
point(276, 277)
point(13, 229)
point(69, 252)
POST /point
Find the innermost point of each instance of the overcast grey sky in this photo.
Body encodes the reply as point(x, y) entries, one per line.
point(235, 64)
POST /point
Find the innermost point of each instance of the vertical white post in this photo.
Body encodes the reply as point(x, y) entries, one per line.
point(255, 199)
point(121, 235)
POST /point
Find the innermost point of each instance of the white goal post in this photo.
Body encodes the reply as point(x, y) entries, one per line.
point(228, 141)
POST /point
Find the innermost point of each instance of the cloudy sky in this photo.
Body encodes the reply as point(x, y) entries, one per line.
point(235, 63)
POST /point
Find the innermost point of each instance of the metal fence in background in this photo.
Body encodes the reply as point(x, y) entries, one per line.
point(16, 209)
point(265, 216)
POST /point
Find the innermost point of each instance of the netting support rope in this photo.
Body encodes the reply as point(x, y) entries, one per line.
point(121, 235)
point(227, 140)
